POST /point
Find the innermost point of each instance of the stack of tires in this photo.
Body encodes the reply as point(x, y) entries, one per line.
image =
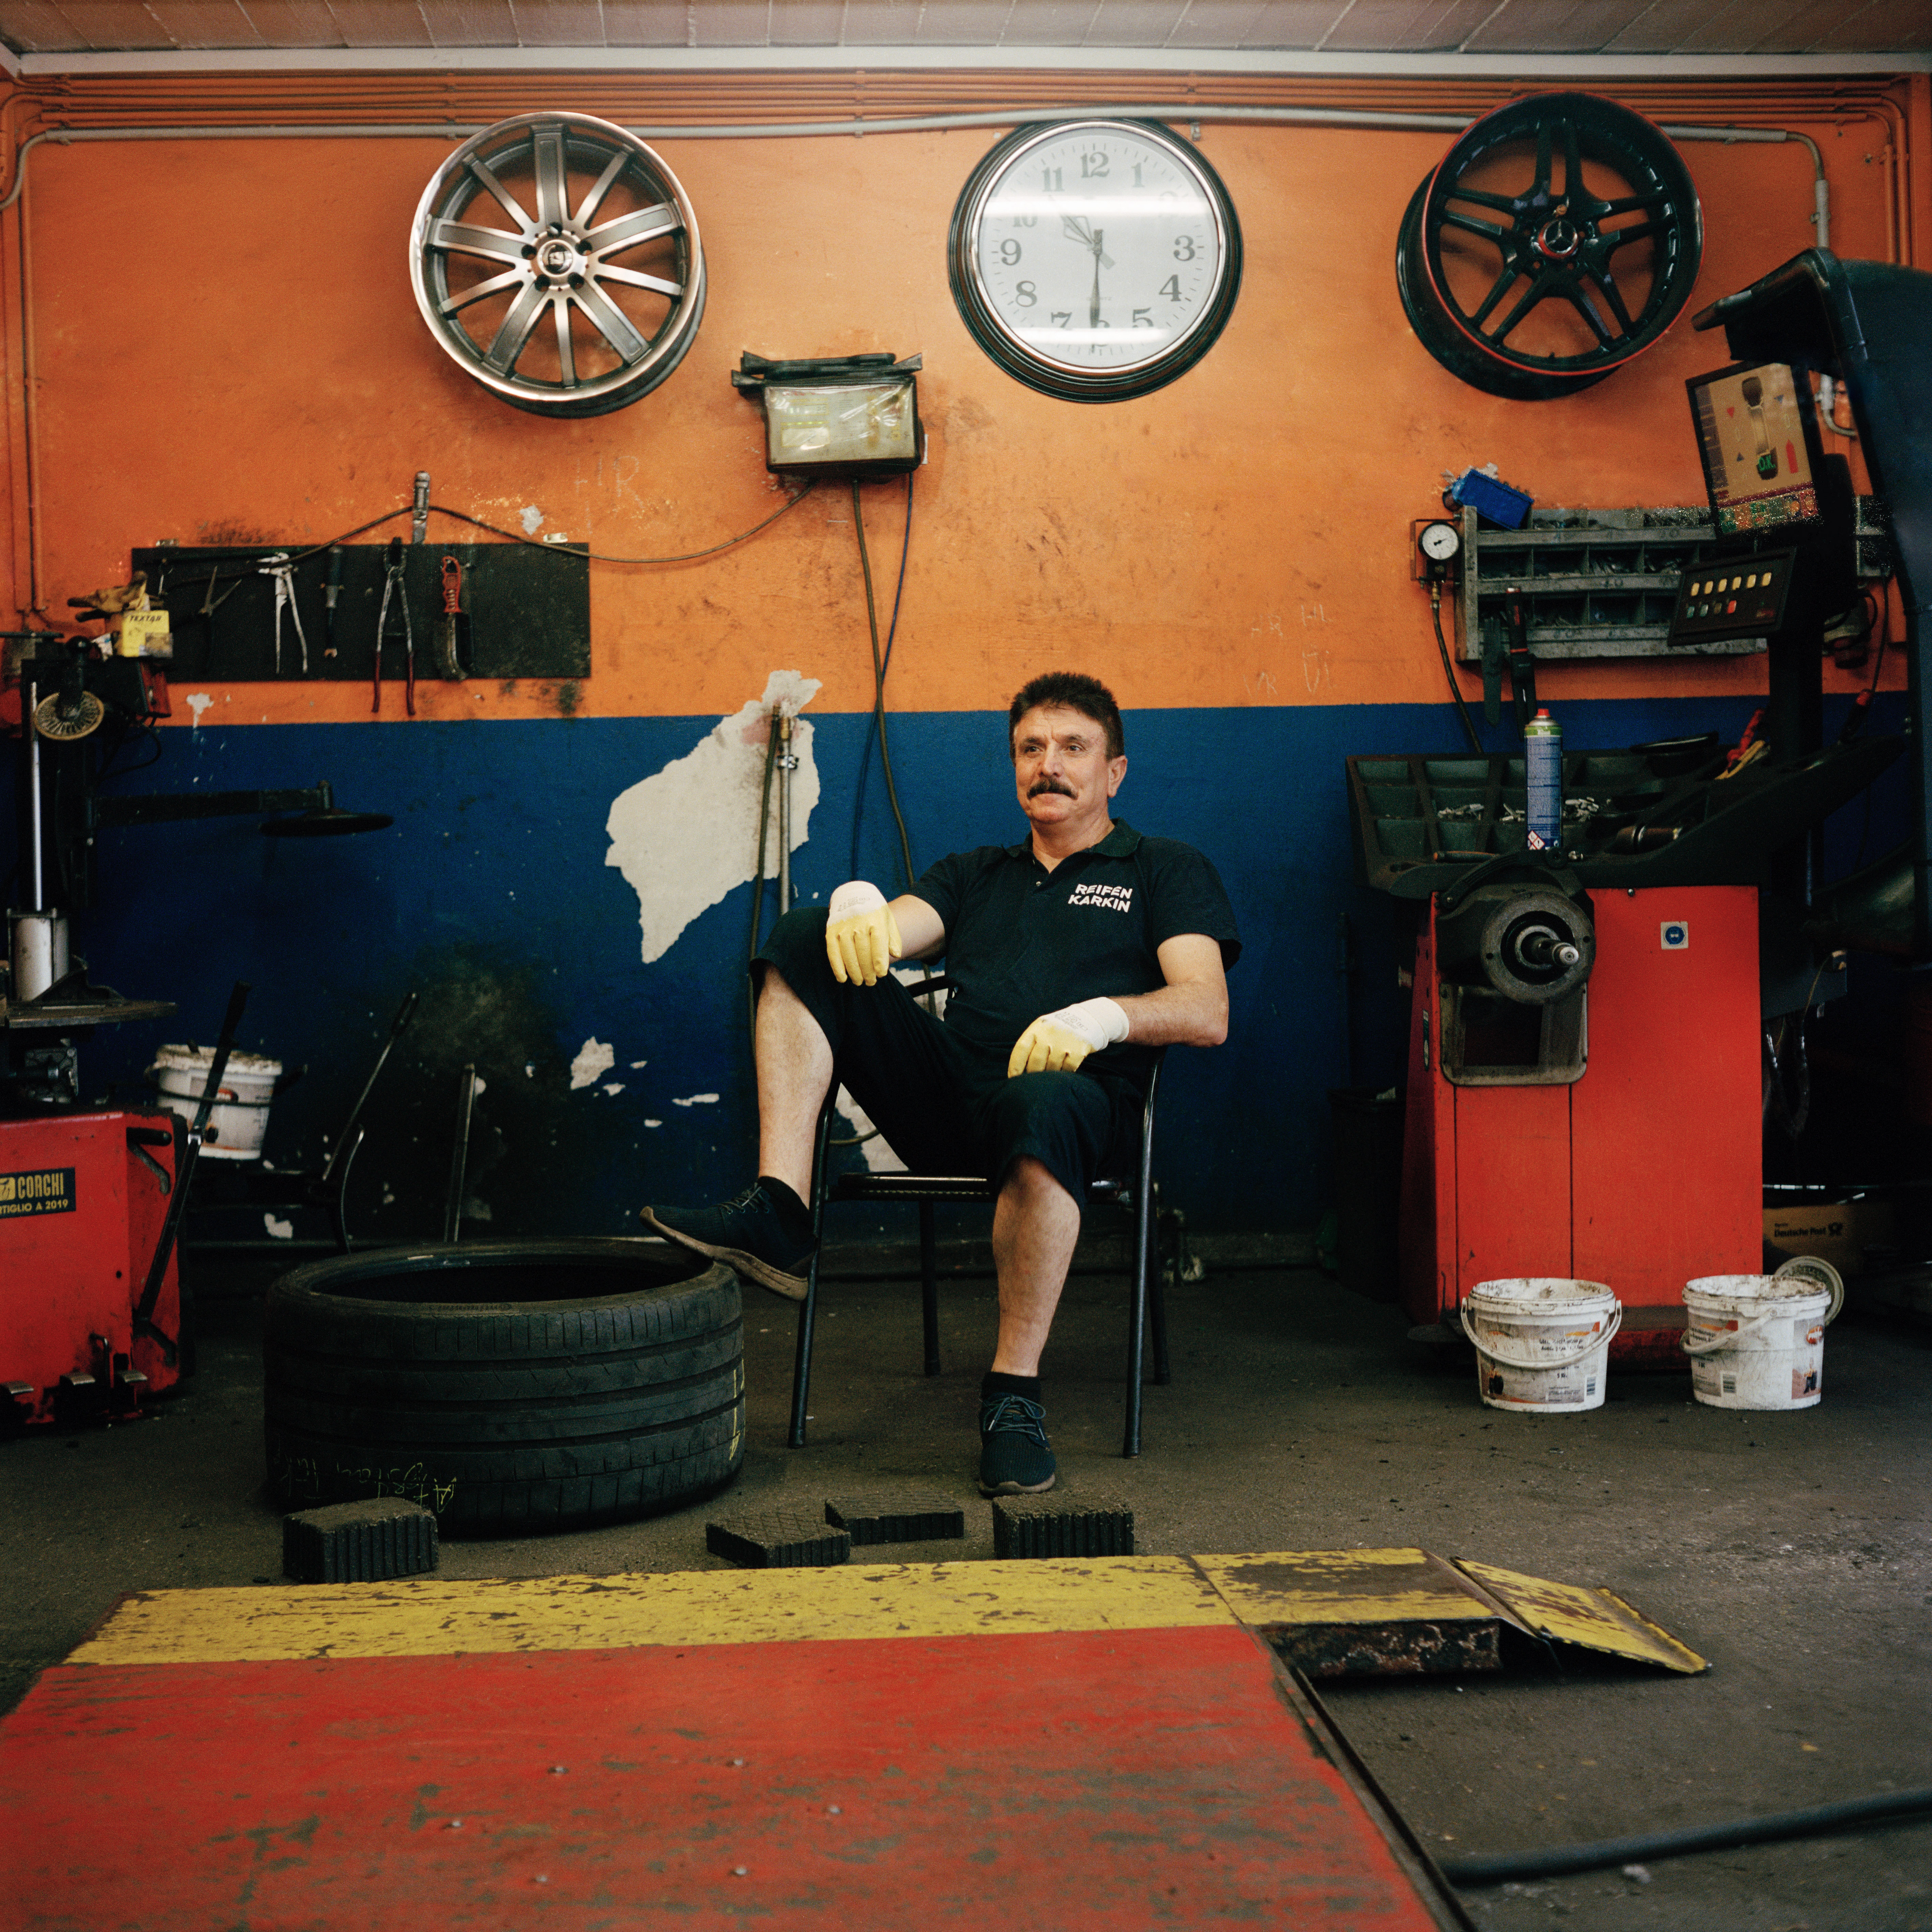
point(514, 1387)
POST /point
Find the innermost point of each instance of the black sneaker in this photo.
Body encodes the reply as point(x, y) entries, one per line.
point(752, 1233)
point(1014, 1458)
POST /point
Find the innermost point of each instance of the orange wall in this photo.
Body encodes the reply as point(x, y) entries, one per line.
point(225, 349)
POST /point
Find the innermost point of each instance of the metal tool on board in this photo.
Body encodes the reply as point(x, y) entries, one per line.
point(452, 630)
point(277, 564)
point(331, 592)
point(393, 585)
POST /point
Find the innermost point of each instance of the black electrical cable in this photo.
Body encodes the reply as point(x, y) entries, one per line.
point(598, 556)
point(1860, 710)
point(517, 536)
point(879, 667)
point(891, 635)
point(1779, 1825)
point(879, 687)
point(1449, 671)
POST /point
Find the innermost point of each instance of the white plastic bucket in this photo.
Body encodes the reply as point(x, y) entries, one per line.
point(238, 1122)
point(1757, 1341)
point(1542, 1342)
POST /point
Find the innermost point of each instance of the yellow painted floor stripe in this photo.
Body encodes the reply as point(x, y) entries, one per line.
point(1595, 1618)
point(428, 1616)
point(432, 1616)
point(1344, 1586)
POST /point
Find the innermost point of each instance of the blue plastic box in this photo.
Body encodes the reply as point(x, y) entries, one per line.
point(1496, 502)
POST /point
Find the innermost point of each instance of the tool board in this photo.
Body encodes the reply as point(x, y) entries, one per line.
point(528, 607)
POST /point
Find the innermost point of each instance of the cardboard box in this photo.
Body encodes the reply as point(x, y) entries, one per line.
point(1838, 1231)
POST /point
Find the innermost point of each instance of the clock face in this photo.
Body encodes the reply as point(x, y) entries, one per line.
point(1095, 260)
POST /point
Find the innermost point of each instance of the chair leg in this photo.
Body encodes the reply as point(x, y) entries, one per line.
point(929, 1276)
point(1144, 1259)
point(808, 1308)
point(1163, 1373)
point(1137, 1311)
point(1138, 1318)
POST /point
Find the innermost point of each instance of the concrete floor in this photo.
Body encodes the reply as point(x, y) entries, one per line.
point(1790, 1549)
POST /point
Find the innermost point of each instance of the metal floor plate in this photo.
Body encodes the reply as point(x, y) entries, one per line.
point(1089, 1743)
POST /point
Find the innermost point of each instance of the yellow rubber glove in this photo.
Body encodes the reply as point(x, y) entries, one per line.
point(1057, 1043)
point(861, 938)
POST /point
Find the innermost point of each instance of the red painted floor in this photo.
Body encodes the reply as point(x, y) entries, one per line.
point(1110, 1779)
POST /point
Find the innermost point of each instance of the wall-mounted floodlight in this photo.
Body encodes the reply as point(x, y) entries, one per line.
point(837, 415)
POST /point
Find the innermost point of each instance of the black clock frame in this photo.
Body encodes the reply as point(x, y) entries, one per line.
point(1103, 386)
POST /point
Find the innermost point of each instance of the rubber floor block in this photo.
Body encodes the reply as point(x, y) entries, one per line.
point(783, 1539)
point(896, 1518)
point(1024, 1528)
point(367, 1542)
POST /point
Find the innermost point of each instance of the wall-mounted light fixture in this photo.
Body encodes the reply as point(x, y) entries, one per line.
point(837, 415)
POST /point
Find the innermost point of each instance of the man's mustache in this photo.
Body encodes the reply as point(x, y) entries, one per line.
point(1040, 785)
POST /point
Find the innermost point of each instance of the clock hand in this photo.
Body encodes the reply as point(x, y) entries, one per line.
point(1077, 230)
point(1093, 306)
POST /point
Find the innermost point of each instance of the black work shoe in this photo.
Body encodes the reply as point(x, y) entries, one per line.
point(752, 1233)
point(1014, 1458)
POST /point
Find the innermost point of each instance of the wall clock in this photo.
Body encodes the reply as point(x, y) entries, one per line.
point(1095, 260)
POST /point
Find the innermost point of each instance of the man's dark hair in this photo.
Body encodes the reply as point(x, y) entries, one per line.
point(1070, 691)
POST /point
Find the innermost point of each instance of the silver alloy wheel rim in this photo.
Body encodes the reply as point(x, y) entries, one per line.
point(536, 287)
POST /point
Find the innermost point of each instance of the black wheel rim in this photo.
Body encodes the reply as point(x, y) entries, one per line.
point(1558, 239)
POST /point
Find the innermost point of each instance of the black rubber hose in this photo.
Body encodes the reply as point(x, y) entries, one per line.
point(1563, 1858)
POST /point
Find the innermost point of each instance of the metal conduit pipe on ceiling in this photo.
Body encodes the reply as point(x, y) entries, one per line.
point(1189, 112)
point(871, 98)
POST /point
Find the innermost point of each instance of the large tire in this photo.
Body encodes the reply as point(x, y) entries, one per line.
point(514, 1387)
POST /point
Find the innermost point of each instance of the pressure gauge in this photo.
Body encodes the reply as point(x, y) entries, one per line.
point(1440, 542)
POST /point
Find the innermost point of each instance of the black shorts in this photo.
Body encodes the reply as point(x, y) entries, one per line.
point(944, 1105)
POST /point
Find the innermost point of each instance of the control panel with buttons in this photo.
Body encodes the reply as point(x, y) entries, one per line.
point(1735, 597)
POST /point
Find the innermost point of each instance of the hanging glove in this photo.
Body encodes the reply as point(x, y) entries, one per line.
point(1058, 1043)
point(113, 599)
point(861, 938)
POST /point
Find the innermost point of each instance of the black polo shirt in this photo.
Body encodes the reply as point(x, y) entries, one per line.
point(1021, 941)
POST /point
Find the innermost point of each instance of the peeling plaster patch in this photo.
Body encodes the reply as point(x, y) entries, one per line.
point(697, 1100)
point(593, 1058)
point(688, 834)
point(879, 1157)
point(529, 1069)
point(636, 1064)
point(197, 701)
point(613, 1086)
point(479, 1086)
point(532, 518)
point(654, 1123)
point(283, 1231)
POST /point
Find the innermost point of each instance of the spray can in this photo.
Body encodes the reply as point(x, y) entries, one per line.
point(1543, 761)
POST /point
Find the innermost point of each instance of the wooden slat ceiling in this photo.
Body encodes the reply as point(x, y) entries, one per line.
point(1631, 27)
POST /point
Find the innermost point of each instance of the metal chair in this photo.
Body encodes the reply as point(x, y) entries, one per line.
point(1135, 1192)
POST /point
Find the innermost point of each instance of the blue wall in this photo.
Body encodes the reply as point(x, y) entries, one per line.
point(491, 897)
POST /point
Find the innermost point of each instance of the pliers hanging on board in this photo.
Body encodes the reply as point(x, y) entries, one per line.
point(392, 582)
point(277, 564)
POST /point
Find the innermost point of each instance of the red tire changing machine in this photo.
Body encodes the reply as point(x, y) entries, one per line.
point(92, 1315)
point(1584, 1094)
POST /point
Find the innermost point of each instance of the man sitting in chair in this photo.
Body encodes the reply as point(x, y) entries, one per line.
point(1073, 954)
